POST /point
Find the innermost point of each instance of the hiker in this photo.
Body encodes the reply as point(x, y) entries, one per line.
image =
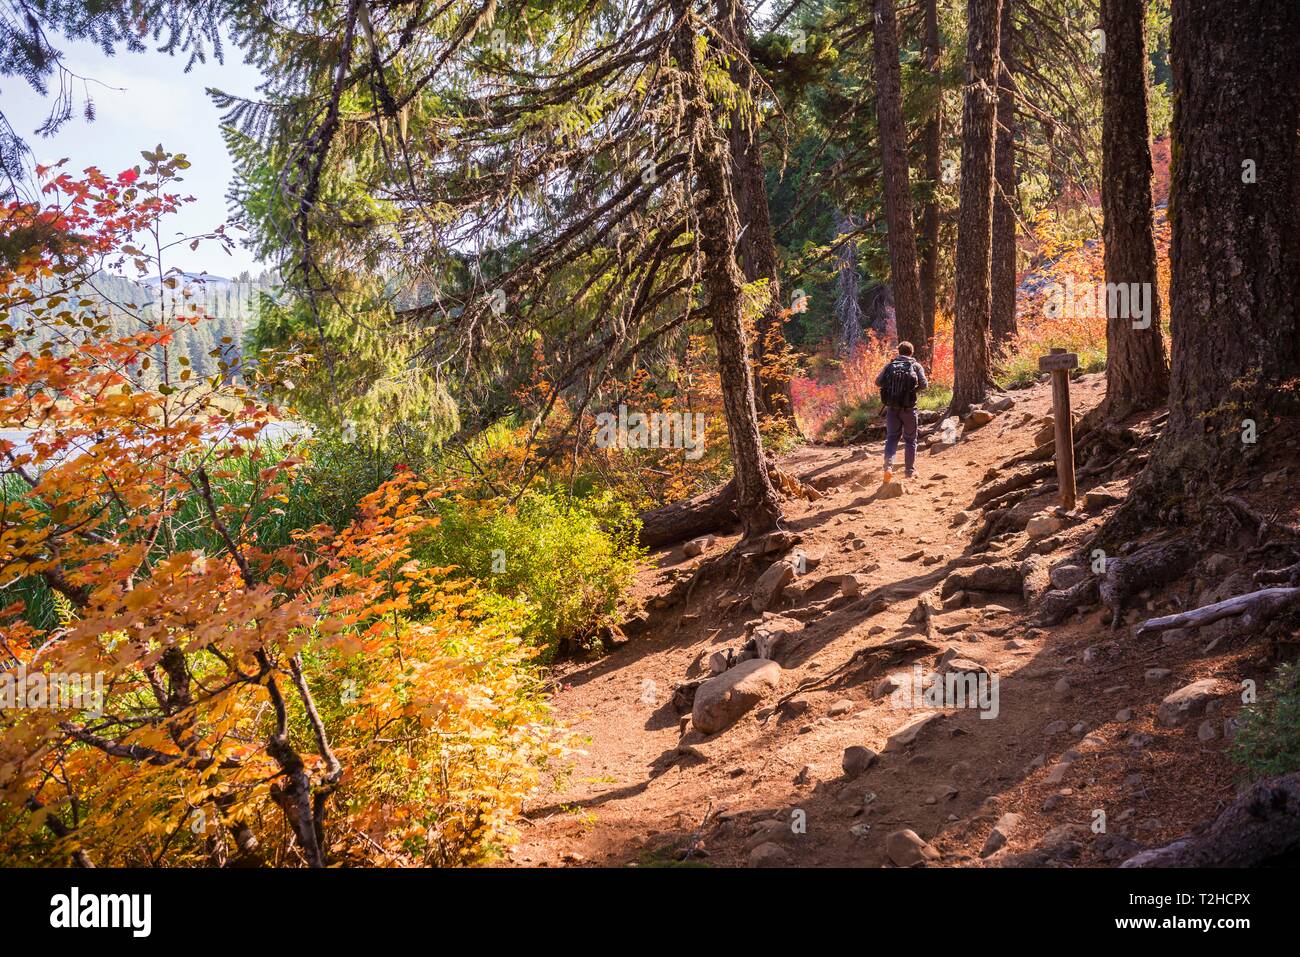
point(899, 381)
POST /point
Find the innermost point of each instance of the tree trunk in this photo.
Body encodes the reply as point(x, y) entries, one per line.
point(1003, 278)
point(933, 141)
point(757, 249)
point(975, 216)
point(848, 307)
point(1136, 372)
point(709, 511)
point(1235, 202)
point(718, 227)
point(894, 164)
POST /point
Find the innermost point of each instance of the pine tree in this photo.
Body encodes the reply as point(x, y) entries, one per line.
point(975, 217)
point(1136, 373)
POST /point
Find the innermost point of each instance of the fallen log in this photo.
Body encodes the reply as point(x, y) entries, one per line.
point(1266, 602)
point(710, 511)
point(1260, 827)
point(690, 518)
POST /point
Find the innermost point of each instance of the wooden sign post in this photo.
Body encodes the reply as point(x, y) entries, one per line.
point(1059, 364)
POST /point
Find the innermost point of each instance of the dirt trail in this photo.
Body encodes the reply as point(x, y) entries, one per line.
point(635, 798)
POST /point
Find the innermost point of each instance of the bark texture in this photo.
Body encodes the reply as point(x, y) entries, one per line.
point(719, 227)
point(931, 138)
point(757, 248)
point(975, 216)
point(1137, 375)
point(1235, 247)
point(1002, 319)
point(848, 307)
point(894, 172)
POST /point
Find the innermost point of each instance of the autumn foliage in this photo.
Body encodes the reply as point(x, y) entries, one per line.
point(317, 700)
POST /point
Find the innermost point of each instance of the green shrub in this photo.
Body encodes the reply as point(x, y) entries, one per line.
point(570, 561)
point(1268, 741)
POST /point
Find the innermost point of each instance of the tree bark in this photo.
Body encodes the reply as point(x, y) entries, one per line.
point(757, 248)
point(1003, 276)
point(932, 139)
point(1137, 376)
point(848, 308)
point(709, 511)
point(975, 216)
point(894, 173)
point(1235, 248)
point(723, 282)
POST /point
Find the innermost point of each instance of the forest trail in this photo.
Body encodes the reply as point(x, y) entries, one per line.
point(642, 794)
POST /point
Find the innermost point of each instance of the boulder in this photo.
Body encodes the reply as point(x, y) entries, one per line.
point(906, 849)
point(978, 418)
point(1002, 576)
point(768, 588)
point(1001, 833)
point(888, 685)
point(720, 701)
point(698, 546)
point(1103, 496)
point(1189, 701)
point(1067, 574)
point(852, 586)
point(910, 730)
point(768, 854)
point(1042, 525)
point(891, 490)
point(856, 760)
point(804, 562)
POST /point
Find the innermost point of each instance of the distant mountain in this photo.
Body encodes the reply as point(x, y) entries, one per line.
point(213, 345)
point(191, 277)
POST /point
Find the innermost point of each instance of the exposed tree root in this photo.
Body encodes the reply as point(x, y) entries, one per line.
point(1264, 603)
point(1011, 483)
point(871, 661)
point(1155, 564)
point(1057, 605)
point(711, 511)
point(1260, 827)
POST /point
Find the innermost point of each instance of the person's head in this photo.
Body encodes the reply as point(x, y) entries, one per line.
point(905, 348)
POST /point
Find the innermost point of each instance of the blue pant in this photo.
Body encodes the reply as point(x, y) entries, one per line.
point(900, 422)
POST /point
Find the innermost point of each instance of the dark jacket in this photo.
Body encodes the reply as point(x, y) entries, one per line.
point(921, 381)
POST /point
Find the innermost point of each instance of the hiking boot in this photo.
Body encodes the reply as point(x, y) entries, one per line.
point(889, 475)
point(910, 473)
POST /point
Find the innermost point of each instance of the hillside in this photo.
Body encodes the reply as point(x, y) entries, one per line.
point(230, 306)
point(1075, 733)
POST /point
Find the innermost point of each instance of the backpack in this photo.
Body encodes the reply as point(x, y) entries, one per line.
point(899, 384)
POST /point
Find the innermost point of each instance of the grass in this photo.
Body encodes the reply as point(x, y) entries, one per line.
point(1021, 367)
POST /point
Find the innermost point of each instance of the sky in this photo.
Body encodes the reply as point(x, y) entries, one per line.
point(142, 100)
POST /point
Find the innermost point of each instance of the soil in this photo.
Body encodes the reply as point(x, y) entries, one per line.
point(635, 797)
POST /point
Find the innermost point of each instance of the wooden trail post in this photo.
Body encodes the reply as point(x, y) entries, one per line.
point(1059, 364)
